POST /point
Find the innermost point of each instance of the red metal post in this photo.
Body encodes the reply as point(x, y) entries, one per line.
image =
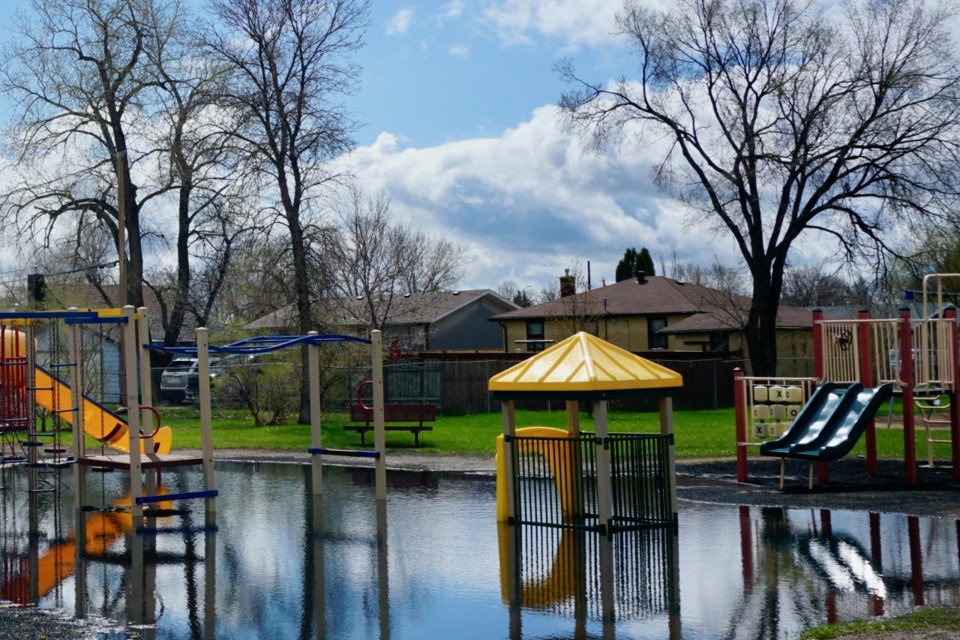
point(740, 413)
point(951, 315)
point(866, 379)
point(906, 377)
point(818, 345)
point(823, 470)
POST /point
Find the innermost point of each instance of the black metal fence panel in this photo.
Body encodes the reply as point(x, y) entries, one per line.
point(555, 480)
point(641, 489)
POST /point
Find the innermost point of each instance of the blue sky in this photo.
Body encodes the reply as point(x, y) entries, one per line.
point(460, 129)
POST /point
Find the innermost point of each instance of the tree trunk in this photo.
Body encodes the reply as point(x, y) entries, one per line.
point(174, 324)
point(301, 280)
point(761, 328)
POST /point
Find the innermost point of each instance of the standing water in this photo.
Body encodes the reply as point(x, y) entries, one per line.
point(433, 563)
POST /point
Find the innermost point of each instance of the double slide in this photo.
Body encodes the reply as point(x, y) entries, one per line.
point(830, 424)
point(53, 394)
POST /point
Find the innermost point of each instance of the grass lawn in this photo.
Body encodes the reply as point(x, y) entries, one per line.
point(699, 434)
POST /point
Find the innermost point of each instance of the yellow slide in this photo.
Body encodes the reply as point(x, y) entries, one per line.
point(98, 421)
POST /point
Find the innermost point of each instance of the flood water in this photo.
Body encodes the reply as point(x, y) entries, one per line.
point(433, 563)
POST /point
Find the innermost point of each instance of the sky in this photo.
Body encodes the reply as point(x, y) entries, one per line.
point(460, 128)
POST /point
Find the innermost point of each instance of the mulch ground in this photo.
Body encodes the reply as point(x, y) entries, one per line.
point(936, 494)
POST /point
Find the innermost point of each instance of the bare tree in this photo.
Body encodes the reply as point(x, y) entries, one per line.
point(813, 286)
point(79, 74)
point(210, 210)
point(111, 92)
point(376, 260)
point(781, 122)
point(290, 62)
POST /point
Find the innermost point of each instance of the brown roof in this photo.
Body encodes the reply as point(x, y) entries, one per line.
point(708, 309)
point(408, 309)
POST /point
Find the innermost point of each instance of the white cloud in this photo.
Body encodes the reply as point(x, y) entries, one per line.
point(577, 22)
point(400, 22)
point(530, 202)
point(451, 10)
point(459, 50)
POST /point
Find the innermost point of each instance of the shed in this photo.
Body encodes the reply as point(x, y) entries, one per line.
point(585, 368)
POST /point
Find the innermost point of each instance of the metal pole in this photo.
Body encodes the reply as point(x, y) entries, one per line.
point(379, 435)
point(316, 438)
point(206, 419)
point(740, 423)
point(604, 487)
point(666, 429)
point(133, 413)
point(906, 379)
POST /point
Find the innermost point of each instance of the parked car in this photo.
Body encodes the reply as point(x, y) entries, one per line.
point(180, 380)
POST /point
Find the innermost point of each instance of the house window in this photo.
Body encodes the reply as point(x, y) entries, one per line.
point(535, 332)
point(655, 341)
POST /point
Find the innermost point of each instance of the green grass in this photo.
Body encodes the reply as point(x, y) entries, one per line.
point(921, 622)
point(699, 434)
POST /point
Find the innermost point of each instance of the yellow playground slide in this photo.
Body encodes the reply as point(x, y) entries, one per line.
point(98, 422)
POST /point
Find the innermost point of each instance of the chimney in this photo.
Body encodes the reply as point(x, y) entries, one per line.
point(641, 277)
point(568, 284)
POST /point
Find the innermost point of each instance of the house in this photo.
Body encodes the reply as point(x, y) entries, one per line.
point(429, 321)
point(650, 313)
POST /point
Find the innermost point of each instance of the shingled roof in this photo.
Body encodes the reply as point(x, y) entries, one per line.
point(410, 309)
point(708, 309)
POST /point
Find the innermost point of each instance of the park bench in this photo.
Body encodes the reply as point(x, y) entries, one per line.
point(392, 414)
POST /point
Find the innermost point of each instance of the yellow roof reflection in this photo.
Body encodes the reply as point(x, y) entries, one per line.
point(584, 362)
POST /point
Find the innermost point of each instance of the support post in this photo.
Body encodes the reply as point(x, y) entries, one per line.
point(510, 481)
point(906, 382)
point(206, 419)
point(740, 415)
point(379, 434)
point(146, 388)
point(666, 429)
point(316, 438)
point(76, 382)
point(866, 379)
point(604, 487)
point(951, 315)
point(129, 333)
point(818, 345)
point(823, 470)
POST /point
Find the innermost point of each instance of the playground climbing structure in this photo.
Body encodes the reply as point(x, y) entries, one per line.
point(913, 358)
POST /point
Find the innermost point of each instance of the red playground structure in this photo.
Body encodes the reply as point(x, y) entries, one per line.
point(858, 365)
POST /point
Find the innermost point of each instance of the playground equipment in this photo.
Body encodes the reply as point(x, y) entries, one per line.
point(634, 483)
point(828, 429)
point(551, 444)
point(73, 344)
point(915, 357)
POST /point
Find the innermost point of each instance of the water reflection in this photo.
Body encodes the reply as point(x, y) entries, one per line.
point(581, 575)
point(432, 562)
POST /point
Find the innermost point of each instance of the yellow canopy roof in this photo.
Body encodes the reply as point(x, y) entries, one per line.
point(584, 363)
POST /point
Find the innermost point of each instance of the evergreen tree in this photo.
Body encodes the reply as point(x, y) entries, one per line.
point(634, 261)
